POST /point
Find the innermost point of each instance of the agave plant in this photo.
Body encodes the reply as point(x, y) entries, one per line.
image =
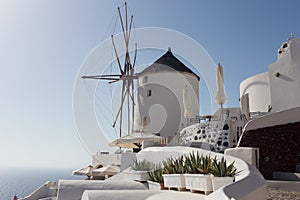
point(205, 165)
point(220, 168)
point(142, 165)
point(174, 166)
point(192, 161)
point(156, 174)
point(198, 164)
point(178, 165)
point(168, 166)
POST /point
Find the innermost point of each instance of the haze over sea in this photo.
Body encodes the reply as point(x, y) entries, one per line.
point(22, 181)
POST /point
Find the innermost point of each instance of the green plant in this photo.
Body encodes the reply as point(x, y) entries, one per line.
point(205, 165)
point(174, 166)
point(191, 163)
point(179, 165)
point(155, 175)
point(197, 164)
point(220, 168)
point(142, 165)
point(168, 166)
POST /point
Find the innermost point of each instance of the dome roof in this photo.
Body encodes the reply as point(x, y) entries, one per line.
point(168, 62)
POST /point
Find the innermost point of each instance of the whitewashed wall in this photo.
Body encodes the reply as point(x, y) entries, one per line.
point(164, 109)
point(258, 88)
point(285, 89)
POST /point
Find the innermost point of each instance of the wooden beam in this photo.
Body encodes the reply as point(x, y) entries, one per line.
point(119, 63)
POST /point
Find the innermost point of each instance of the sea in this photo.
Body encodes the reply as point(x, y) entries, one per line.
point(22, 182)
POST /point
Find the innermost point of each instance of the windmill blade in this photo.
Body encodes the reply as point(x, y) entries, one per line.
point(128, 109)
point(122, 24)
point(107, 75)
point(100, 76)
point(131, 20)
point(126, 16)
point(130, 94)
point(121, 106)
point(119, 63)
point(89, 77)
point(110, 82)
point(127, 59)
point(110, 79)
point(135, 53)
point(121, 114)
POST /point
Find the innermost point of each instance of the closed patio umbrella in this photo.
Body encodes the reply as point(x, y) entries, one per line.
point(220, 95)
point(108, 170)
point(87, 171)
point(135, 138)
point(187, 104)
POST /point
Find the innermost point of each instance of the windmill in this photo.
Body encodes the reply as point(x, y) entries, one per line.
point(126, 74)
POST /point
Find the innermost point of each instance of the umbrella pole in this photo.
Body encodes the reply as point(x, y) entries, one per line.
point(221, 117)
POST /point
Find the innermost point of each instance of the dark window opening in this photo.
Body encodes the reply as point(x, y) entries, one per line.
point(149, 93)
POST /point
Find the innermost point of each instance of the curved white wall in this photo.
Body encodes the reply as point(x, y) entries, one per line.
point(164, 110)
point(249, 183)
point(274, 119)
point(258, 88)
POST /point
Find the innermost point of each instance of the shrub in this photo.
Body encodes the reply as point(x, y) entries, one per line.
point(142, 165)
point(196, 163)
point(156, 174)
point(220, 168)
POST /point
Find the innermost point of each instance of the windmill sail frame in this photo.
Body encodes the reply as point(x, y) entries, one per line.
point(126, 75)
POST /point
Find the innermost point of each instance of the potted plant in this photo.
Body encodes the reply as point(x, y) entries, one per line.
point(173, 174)
point(222, 174)
point(198, 176)
point(156, 181)
point(140, 170)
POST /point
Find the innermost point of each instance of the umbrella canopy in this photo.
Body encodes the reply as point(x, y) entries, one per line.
point(135, 137)
point(116, 143)
point(187, 103)
point(109, 170)
point(220, 95)
point(86, 171)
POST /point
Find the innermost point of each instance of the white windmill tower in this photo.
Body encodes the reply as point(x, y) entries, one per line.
point(159, 107)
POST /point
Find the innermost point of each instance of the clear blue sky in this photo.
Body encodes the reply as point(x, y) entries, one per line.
point(43, 43)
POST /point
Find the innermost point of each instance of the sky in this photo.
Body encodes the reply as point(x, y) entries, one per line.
point(44, 42)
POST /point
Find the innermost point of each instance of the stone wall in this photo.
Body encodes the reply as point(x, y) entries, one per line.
point(220, 135)
point(279, 147)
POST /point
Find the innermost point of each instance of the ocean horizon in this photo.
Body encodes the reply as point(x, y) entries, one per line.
point(23, 181)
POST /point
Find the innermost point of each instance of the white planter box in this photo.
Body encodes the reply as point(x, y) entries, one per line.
point(219, 182)
point(141, 176)
point(174, 181)
point(155, 186)
point(199, 182)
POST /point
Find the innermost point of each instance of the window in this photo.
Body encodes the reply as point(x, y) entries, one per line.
point(145, 79)
point(149, 93)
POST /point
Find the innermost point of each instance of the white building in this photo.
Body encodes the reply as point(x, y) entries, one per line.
point(277, 89)
point(160, 108)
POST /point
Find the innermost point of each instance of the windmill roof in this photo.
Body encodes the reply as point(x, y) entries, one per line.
point(168, 62)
